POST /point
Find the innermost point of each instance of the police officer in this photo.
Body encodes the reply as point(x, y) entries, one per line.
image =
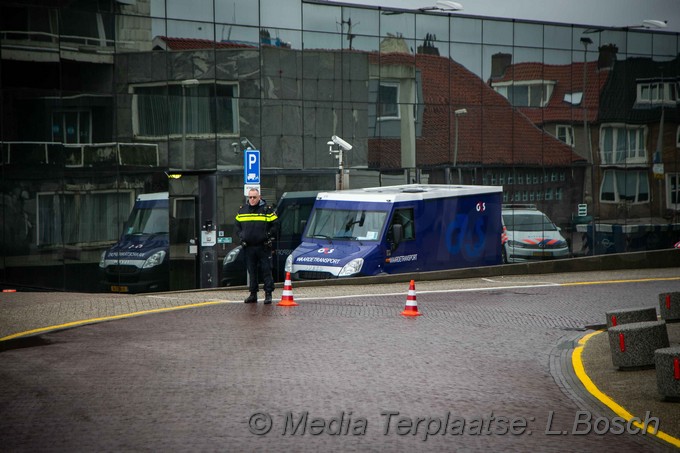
point(255, 227)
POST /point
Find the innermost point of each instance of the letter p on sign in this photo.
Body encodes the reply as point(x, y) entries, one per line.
point(251, 167)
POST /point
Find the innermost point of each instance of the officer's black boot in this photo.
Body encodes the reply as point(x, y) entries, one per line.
point(251, 299)
point(268, 298)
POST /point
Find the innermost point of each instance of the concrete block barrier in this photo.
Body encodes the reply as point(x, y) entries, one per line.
point(667, 363)
point(669, 306)
point(633, 345)
point(630, 315)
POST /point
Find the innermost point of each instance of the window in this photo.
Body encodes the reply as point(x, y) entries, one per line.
point(624, 185)
point(677, 137)
point(526, 94)
point(673, 191)
point(565, 134)
point(207, 109)
point(81, 218)
point(573, 98)
point(623, 144)
point(403, 217)
point(346, 224)
point(388, 101)
point(71, 126)
point(657, 92)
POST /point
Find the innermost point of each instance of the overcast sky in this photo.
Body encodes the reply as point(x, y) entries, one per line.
point(615, 13)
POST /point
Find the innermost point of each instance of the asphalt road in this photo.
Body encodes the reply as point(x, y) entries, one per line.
point(485, 368)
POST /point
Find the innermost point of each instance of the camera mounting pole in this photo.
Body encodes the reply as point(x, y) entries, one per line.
point(341, 145)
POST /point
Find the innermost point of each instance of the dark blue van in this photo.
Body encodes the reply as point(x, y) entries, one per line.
point(139, 261)
point(399, 229)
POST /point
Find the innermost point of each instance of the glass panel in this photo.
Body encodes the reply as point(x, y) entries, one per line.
point(607, 193)
point(339, 224)
point(245, 36)
point(528, 55)
point(364, 43)
point(664, 45)
point(193, 30)
point(497, 32)
point(273, 15)
point(324, 18)
point(403, 24)
point(616, 37)
point(491, 53)
point(364, 21)
point(466, 30)
point(643, 188)
point(71, 127)
point(158, 28)
point(84, 128)
point(639, 43)
point(200, 10)
point(557, 37)
point(327, 41)
point(242, 12)
point(437, 27)
point(470, 56)
point(607, 145)
point(277, 37)
point(528, 35)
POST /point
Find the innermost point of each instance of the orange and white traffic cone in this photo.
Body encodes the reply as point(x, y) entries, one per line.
point(411, 308)
point(287, 295)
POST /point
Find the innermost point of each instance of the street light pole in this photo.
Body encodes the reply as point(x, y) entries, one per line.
point(185, 84)
point(456, 114)
point(586, 42)
point(590, 176)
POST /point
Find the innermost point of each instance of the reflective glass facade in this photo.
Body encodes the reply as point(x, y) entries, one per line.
point(104, 100)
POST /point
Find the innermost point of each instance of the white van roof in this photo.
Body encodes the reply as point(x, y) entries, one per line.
point(407, 192)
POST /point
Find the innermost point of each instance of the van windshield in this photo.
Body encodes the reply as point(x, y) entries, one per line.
point(148, 221)
point(528, 222)
point(346, 224)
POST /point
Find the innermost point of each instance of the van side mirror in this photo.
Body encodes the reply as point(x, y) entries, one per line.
point(397, 235)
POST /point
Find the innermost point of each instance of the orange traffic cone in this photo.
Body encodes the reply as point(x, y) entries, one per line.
point(411, 308)
point(287, 295)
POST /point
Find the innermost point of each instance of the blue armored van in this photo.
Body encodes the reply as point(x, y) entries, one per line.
point(399, 229)
point(138, 262)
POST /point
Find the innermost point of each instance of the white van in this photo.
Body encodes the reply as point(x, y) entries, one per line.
point(530, 235)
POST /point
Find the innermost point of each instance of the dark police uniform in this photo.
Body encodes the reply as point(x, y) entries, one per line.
point(255, 227)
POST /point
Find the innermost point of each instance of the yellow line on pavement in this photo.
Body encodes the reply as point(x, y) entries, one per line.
point(109, 318)
point(590, 386)
point(634, 280)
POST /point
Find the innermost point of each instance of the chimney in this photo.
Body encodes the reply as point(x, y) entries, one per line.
point(607, 56)
point(499, 63)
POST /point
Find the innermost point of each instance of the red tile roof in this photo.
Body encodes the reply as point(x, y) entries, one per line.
point(491, 133)
point(196, 44)
point(568, 79)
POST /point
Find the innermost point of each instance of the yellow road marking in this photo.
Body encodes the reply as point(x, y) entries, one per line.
point(110, 318)
point(635, 280)
point(580, 371)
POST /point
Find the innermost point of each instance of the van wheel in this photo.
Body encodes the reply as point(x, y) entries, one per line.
point(504, 255)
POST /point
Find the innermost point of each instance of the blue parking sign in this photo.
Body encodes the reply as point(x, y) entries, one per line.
point(251, 167)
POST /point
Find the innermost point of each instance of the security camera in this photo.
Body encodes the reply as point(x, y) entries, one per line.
point(341, 143)
point(235, 147)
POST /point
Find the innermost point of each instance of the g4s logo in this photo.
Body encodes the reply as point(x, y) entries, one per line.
point(459, 237)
